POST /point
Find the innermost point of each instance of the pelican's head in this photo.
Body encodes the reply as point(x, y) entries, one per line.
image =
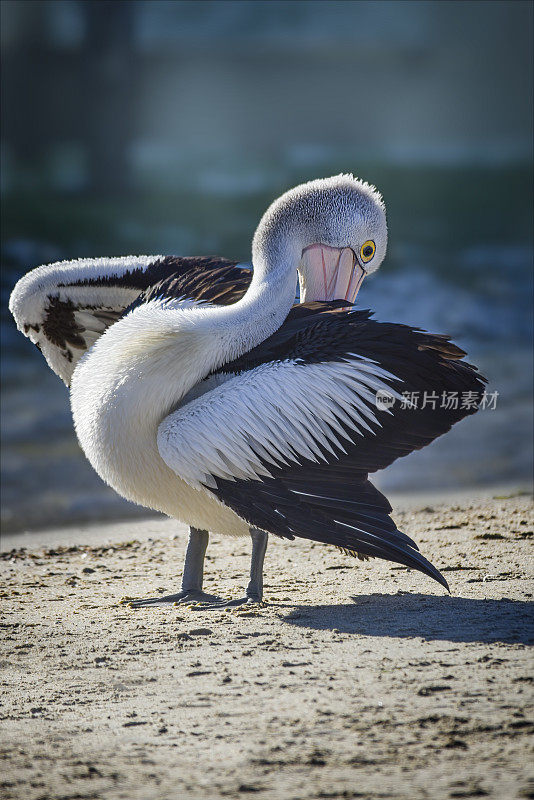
point(337, 227)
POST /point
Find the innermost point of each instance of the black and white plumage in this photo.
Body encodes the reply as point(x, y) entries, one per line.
point(63, 308)
point(328, 497)
point(252, 414)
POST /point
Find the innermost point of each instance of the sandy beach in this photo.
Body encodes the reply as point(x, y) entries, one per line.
point(355, 680)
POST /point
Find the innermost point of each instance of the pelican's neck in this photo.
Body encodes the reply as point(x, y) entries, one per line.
point(204, 338)
point(236, 329)
point(163, 349)
point(182, 345)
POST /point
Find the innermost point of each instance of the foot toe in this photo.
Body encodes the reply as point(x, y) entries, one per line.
point(181, 598)
point(241, 601)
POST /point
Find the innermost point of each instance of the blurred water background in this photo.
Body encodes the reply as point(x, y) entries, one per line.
point(168, 127)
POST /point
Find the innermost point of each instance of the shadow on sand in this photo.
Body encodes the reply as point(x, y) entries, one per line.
point(453, 619)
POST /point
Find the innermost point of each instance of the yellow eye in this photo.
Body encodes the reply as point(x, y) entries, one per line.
point(367, 251)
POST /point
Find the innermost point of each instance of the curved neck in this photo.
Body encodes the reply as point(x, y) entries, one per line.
point(235, 329)
point(223, 333)
point(184, 342)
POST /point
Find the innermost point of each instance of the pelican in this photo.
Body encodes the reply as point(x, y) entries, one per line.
point(200, 390)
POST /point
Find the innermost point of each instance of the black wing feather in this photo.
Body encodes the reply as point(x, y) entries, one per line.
point(208, 279)
point(333, 501)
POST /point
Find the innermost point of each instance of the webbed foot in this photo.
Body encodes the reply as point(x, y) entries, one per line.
point(181, 598)
point(241, 601)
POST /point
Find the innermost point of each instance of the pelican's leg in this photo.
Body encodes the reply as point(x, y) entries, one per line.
point(259, 547)
point(254, 591)
point(192, 577)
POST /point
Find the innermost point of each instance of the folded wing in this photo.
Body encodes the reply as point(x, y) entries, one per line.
point(289, 432)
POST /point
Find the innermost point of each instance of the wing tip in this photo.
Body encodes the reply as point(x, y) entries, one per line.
point(443, 581)
point(429, 569)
